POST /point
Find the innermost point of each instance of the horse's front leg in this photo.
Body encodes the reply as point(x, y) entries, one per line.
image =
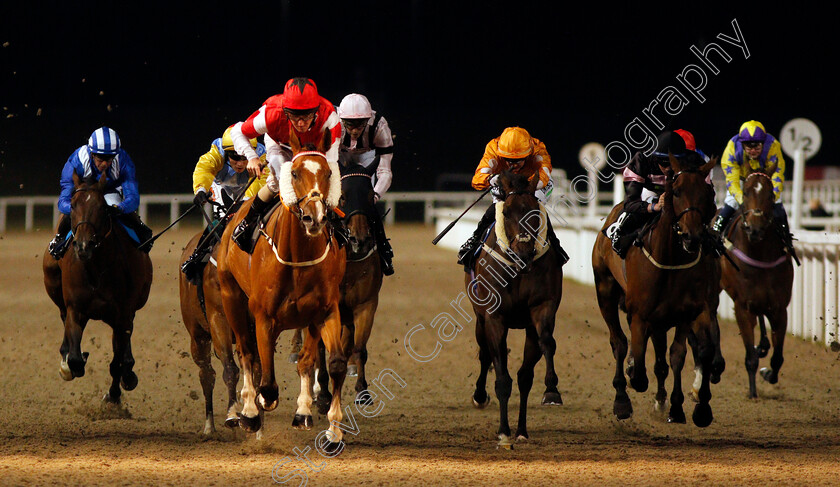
point(660, 367)
point(543, 319)
point(678, 352)
point(268, 393)
point(746, 323)
point(72, 359)
point(296, 342)
point(306, 365)
point(496, 333)
point(608, 293)
point(480, 397)
point(639, 334)
point(363, 320)
point(778, 325)
point(331, 335)
point(120, 342)
point(705, 338)
point(525, 379)
point(322, 380)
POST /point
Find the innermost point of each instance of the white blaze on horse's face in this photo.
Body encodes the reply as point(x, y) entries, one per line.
point(312, 184)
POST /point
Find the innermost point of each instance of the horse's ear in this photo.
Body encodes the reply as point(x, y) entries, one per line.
point(77, 181)
point(533, 183)
point(771, 168)
point(324, 143)
point(675, 165)
point(100, 185)
point(294, 142)
point(707, 167)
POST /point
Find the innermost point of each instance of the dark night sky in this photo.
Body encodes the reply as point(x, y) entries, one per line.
point(448, 78)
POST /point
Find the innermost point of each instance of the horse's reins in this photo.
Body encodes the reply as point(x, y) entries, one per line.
point(498, 255)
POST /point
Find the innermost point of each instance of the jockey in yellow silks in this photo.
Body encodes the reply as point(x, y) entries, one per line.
point(516, 151)
point(752, 148)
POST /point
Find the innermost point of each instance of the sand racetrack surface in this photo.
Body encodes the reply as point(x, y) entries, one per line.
point(56, 432)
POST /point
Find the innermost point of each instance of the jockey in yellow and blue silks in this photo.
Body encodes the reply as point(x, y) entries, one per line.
point(102, 153)
point(221, 175)
point(752, 147)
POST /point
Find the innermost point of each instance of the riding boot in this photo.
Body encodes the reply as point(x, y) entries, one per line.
point(194, 264)
point(780, 216)
point(244, 230)
point(386, 253)
point(144, 233)
point(562, 256)
point(621, 233)
point(58, 245)
point(466, 255)
point(722, 220)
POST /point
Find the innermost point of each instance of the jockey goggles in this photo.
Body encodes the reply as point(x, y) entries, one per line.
point(234, 156)
point(752, 145)
point(354, 123)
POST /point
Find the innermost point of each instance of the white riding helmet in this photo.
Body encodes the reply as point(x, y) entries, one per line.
point(355, 105)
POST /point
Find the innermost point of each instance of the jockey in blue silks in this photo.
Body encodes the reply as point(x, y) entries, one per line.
point(102, 154)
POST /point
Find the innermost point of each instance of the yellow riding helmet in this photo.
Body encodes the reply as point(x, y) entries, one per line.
point(227, 141)
point(752, 131)
point(515, 143)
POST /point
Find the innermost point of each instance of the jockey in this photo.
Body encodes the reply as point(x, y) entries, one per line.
point(752, 146)
point(299, 108)
point(365, 140)
point(690, 144)
point(220, 176)
point(644, 182)
point(515, 150)
point(102, 154)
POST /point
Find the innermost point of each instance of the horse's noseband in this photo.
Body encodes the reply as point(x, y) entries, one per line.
point(95, 242)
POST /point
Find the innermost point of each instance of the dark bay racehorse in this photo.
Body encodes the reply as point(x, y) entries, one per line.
point(204, 318)
point(763, 285)
point(668, 282)
point(104, 277)
point(516, 265)
point(362, 280)
point(291, 281)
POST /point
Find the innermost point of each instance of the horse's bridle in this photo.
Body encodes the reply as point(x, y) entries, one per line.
point(676, 225)
point(96, 242)
point(754, 211)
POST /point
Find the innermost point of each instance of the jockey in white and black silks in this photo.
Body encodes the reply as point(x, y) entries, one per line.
point(366, 140)
point(103, 153)
point(516, 151)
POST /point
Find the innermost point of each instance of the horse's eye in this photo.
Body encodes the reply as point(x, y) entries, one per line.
point(294, 175)
point(677, 193)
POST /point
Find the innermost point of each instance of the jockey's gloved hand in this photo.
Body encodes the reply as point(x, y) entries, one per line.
point(113, 210)
point(495, 189)
point(201, 199)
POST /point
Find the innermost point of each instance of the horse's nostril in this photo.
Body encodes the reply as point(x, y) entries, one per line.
point(307, 219)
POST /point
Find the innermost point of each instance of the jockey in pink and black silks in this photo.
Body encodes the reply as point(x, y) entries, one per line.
point(752, 148)
point(644, 183)
point(300, 109)
point(102, 154)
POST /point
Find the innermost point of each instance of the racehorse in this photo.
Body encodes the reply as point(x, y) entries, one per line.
point(517, 266)
point(666, 282)
point(362, 280)
point(291, 281)
point(103, 277)
point(763, 285)
point(204, 318)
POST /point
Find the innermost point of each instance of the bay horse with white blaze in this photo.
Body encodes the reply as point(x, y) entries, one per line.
point(763, 285)
point(291, 281)
point(667, 282)
point(517, 266)
point(105, 277)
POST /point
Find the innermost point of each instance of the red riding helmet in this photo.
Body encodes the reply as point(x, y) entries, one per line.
point(301, 94)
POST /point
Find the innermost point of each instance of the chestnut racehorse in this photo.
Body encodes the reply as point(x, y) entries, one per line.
point(204, 318)
point(763, 285)
point(103, 277)
point(291, 281)
point(668, 282)
point(518, 284)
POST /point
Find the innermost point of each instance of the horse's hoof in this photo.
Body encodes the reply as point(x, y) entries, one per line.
point(505, 443)
point(702, 415)
point(65, 372)
point(323, 403)
point(622, 409)
point(481, 404)
point(251, 425)
point(333, 449)
point(767, 374)
point(110, 400)
point(293, 358)
point(676, 415)
point(352, 371)
point(762, 350)
point(552, 398)
point(714, 378)
point(639, 385)
point(658, 406)
point(302, 422)
point(521, 436)
point(266, 403)
point(364, 398)
point(232, 422)
point(128, 381)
